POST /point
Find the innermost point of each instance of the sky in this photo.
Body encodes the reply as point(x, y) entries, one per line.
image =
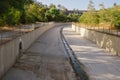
point(80, 4)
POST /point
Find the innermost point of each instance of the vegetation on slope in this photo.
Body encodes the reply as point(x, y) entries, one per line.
point(105, 17)
point(15, 12)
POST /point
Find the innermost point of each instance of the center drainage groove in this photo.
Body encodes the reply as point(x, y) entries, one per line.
point(80, 73)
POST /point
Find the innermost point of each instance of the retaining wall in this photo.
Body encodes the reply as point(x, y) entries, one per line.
point(9, 52)
point(107, 41)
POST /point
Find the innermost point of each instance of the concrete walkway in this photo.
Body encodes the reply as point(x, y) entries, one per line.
point(46, 59)
point(99, 64)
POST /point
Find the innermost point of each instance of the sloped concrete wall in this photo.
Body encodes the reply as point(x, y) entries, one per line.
point(109, 42)
point(9, 52)
point(32, 36)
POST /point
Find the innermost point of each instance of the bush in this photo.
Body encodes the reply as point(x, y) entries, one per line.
point(12, 17)
point(103, 16)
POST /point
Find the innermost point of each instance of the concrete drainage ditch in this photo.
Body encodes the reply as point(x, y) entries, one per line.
point(77, 66)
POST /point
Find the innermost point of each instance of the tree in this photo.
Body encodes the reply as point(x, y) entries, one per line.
point(102, 7)
point(73, 17)
point(62, 8)
point(91, 6)
point(110, 16)
point(91, 17)
point(52, 14)
point(116, 15)
point(102, 14)
point(12, 11)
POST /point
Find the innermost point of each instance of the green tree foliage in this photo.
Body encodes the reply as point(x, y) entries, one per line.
point(12, 17)
point(11, 11)
point(73, 17)
point(14, 12)
point(109, 16)
point(91, 6)
point(52, 14)
point(90, 17)
point(115, 12)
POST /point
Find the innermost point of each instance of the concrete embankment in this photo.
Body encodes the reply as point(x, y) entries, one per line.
point(96, 62)
point(107, 41)
point(45, 59)
point(9, 51)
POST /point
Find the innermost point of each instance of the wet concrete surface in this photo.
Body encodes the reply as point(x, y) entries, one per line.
point(46, 59)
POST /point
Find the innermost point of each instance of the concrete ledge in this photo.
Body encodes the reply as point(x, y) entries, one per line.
point(109, 42)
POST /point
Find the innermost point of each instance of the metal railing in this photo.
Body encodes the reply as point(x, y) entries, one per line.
point(102, 29)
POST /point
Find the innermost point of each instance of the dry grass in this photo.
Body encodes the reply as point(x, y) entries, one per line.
point(8, 28)
point(105, 26)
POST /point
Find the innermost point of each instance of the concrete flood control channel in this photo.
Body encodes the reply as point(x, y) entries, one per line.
point(45, 59)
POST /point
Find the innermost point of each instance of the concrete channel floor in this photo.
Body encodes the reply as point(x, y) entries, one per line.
point(98, 63)
point(46, 59)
